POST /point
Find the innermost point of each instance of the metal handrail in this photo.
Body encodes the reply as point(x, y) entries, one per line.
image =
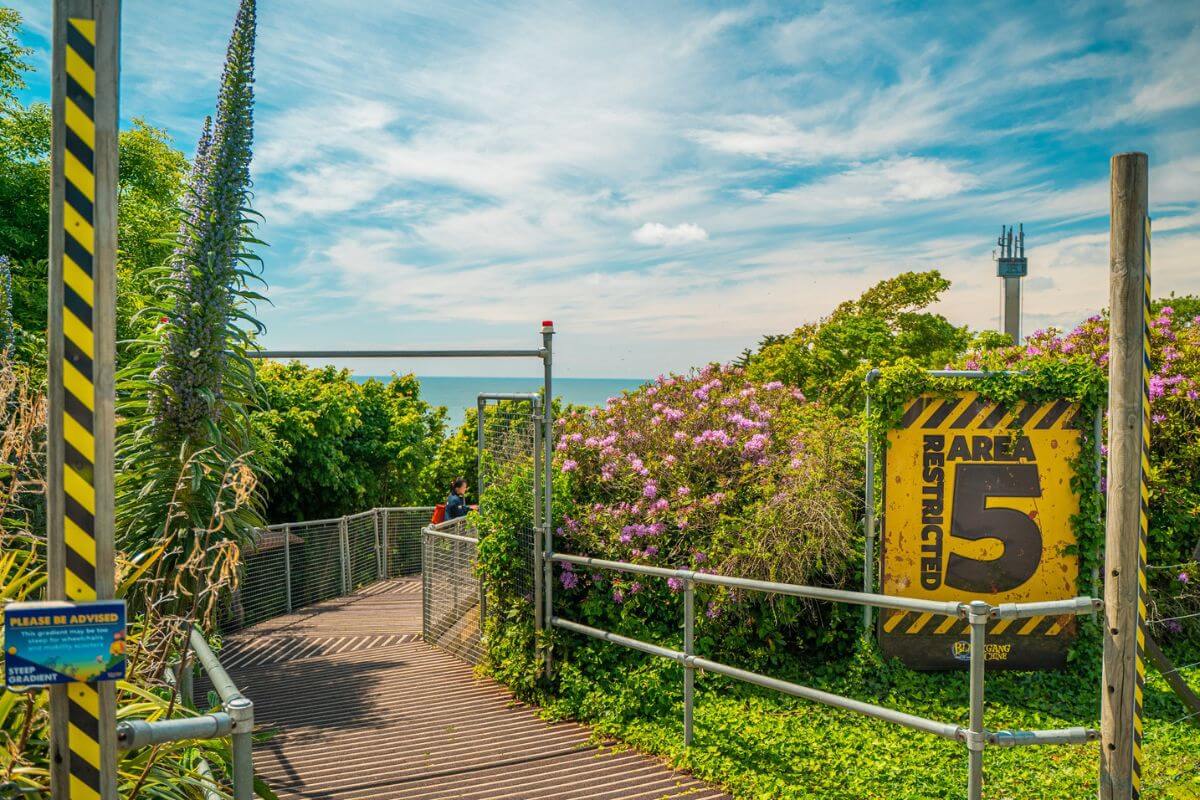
point(235, 721)
point(977, 613)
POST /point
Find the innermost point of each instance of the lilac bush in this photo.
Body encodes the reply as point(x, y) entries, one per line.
point(708, 471)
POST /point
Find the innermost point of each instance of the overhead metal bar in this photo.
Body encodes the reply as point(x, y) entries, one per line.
point(541, 353)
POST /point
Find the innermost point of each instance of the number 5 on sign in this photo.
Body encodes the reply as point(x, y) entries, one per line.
point(978, 506)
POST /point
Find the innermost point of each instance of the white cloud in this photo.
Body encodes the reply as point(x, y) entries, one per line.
point(1171, 83)
point(456, 171)
point(655, 233)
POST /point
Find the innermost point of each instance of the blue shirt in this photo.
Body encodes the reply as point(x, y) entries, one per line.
point(456, 506)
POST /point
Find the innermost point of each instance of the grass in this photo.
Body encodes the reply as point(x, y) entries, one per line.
point(762, 745)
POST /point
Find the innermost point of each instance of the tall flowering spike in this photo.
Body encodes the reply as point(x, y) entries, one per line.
point(6, 317)
point(189, 393)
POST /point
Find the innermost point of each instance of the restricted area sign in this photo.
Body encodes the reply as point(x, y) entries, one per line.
point(977, 506)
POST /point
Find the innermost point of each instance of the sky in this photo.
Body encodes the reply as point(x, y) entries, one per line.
point(670, 181)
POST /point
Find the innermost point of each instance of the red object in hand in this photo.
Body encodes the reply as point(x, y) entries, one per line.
point(439, 514)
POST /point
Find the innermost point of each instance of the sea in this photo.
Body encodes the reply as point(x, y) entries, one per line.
point(458, 394)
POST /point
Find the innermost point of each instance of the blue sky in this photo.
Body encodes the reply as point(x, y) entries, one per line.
point(668, 181)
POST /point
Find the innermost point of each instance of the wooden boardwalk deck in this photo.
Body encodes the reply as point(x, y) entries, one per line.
point(365, 710)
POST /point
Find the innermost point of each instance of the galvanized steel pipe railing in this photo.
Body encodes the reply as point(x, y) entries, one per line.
point(977, 613)
point(236, 721)
point(241, 715)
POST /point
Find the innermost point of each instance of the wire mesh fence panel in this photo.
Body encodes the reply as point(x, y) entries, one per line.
point(362, 542)
point(316, 558)
point(450, 593)
point(262, 587)
point(509, 436)
point(509, 443)
point(291, 565)
point(403, 528)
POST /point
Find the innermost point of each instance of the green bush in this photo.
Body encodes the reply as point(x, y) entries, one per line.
point(706, 471)
point(334, 445)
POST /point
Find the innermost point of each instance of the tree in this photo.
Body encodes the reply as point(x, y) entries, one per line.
point(152, 173)
point(335, 446)
point(827, 359)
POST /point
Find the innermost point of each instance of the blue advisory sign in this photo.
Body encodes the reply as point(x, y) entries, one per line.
point(56, 642)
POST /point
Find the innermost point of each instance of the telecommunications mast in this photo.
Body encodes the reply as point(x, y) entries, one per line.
point(1012, 266)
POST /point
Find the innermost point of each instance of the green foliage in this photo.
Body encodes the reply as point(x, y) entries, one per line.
point(826, 359)
point(706, 471)
point(149, 192)
point(505, 517)
point(334, 446)
point(765, 746)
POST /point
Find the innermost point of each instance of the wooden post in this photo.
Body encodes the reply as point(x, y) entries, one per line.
point(1128, 443)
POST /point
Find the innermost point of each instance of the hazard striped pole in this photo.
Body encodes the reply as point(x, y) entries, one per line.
point(81, 352)
point(1128, 497)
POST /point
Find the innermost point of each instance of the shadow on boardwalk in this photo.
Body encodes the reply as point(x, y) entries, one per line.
point(364, 710)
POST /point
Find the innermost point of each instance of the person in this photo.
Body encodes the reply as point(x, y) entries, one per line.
point(456, 503)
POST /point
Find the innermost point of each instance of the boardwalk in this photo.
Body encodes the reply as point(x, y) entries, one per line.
point(365, 710)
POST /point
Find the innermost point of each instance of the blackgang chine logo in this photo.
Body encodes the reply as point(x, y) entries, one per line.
point(961, 650)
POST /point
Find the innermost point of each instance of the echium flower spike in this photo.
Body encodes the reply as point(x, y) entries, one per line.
point(190, 392)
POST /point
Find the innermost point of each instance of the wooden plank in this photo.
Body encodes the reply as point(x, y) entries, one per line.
point(1127, 272)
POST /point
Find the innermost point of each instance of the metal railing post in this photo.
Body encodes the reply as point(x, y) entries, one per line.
point(344, 552)
point(977, 615)
point(241, 711)
point(869, 515)
point(538, 544)
point(689, 669)
point(548, 479)
point(480, 408)
point(287, 565)
point(378, 551)
point(186, 680)
point(383, 544)
point(426, 594)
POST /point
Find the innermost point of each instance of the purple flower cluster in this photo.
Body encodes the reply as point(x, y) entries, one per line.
point(657, 470)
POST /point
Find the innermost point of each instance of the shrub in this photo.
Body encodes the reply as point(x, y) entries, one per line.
point(708, 471)
point(335, 446)
point(826, 358)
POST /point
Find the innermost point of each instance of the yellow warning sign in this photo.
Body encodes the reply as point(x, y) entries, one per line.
point(977, 506)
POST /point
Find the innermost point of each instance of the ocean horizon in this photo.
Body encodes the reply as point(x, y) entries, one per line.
point(458, 393)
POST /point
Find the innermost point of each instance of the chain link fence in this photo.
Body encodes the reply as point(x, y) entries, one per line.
point(1173, 646)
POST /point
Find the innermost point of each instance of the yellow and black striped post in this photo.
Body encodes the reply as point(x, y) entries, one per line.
point(81, 362)
point(1139, 684)
point(1128, 496)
